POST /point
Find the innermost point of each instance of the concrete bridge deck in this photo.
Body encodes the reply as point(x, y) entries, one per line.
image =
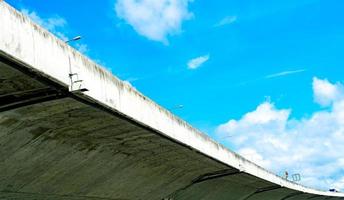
point(58, 141)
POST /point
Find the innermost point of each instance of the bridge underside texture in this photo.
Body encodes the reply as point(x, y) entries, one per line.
point(55, 145)
point(110, 142)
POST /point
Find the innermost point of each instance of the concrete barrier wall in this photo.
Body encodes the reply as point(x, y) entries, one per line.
point(42, 51)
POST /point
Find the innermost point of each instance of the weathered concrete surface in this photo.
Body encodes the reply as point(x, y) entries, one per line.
point(110, 142)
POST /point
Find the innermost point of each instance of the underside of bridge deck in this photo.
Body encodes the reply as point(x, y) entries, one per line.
point(71, 130)
point(55, 144)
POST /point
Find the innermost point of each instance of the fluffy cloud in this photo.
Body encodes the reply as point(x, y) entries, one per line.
point(154, 19)
point(312, 146)
point(197, 62)
point(325, 93)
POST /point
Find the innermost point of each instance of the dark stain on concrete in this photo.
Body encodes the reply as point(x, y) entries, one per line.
point(9, 122)
point(38, 131)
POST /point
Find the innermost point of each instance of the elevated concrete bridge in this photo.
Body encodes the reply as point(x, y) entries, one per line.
point(71, 130)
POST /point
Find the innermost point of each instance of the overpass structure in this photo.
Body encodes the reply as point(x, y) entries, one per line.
point(71, 130)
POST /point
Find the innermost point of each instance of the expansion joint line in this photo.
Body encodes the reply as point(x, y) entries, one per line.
point(203, 178)
point(55, 196)
point(261, 190)
point(292, 195)
point(27, 98)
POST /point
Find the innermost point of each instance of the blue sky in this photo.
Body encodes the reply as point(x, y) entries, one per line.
point(258, 76)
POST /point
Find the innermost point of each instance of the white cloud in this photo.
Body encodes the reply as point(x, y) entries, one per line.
point(254, 156)
point(312, 146)
point(197, 62)
point(284, 73)
point(226, 20)
point(325, 93)
point(338, 184)
point(82, 48)
point(154, 19)
point(53, 24)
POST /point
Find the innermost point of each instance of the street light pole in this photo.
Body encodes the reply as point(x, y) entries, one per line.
point(73, 39)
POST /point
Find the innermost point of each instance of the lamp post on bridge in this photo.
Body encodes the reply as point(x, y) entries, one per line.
point(73, 39)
